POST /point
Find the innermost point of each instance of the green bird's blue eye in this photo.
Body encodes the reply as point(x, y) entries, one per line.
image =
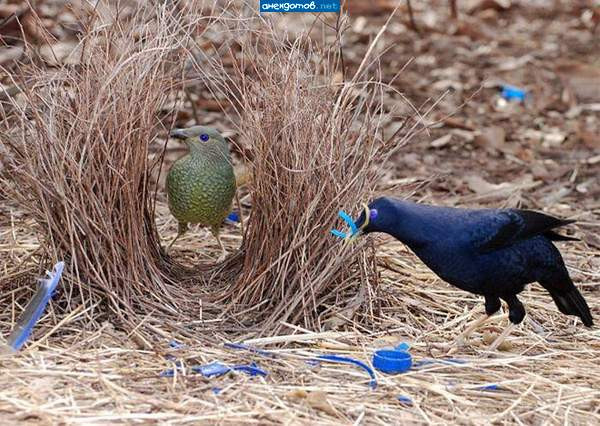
point(204, 137)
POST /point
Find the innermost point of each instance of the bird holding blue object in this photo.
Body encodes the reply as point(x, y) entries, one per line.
point(490, 252)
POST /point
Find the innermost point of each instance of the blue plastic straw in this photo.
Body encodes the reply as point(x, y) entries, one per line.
point(35, 308)
point(348, 360)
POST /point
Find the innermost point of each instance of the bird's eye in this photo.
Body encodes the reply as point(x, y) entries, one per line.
point(204, 137)
point(373, 214)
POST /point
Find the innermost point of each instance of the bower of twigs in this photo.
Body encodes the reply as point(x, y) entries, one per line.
point(316, 121)
point(79, 162)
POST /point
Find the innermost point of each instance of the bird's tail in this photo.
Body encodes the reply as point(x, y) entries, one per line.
point(571, 302)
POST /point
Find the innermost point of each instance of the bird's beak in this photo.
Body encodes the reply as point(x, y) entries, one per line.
point(178, 134)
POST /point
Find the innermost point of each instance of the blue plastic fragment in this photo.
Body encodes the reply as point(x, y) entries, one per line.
point(492, 387)
point(404, 400)
point(312, 362)
point(402, 347)
point(348, 360)
point(512, 93)
point(35, 308)
point(392, 361)
point(216, 390)
point(213, 369)
point(233, 216)
point(216, 369)
point(175, 344)
point(338, 234)
point(251, 370)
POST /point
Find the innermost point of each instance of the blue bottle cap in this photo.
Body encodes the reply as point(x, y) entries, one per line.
point(392, 361)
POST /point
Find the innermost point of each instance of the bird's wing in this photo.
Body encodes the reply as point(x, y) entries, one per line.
point(505, 227)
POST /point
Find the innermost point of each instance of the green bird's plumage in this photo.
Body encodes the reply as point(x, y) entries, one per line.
point(201, 185)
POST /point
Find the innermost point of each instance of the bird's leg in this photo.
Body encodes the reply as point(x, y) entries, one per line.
point(181, 229)
point(492, 305)
point(215, 231)
point(516, 313)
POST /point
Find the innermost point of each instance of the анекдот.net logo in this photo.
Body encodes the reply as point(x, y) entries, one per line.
point(299, 5)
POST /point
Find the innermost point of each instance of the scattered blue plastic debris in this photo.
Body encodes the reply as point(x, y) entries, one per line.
point(216, 369)
point(393, 361)
point(233, 217)
point(35, 308)
point(492, 387)
point(213, 369)
point(216, 390)
point(346, 218)
point(404, 400)
point(348, 360)
point(176, 345)
point(512, 93)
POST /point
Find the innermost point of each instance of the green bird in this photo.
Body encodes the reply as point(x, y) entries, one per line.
point(201, 185)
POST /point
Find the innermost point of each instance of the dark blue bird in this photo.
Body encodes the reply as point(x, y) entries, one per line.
point(490, 252)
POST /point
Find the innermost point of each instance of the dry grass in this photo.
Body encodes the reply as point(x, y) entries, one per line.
point(314, 145)
point(80, 181)
point(78, 156)
point(101, 375)
point(79, 162)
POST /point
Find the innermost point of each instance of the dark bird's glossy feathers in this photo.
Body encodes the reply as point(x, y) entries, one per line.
point(491, 252)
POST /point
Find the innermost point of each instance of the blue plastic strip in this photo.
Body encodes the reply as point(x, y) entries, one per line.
point(216, 369)
point(348, 360)
point(404, 400)
point(35, 308)
point(492, 387)
point(346, 218)
point(338, 234)
point(251, 370)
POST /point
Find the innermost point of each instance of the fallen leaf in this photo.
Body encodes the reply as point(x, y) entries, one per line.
point(318, 400)
point(297, 394)
point(440, 142)
point(491, 137)
point(497, 5)
point(581, 79)
point(64, 52)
